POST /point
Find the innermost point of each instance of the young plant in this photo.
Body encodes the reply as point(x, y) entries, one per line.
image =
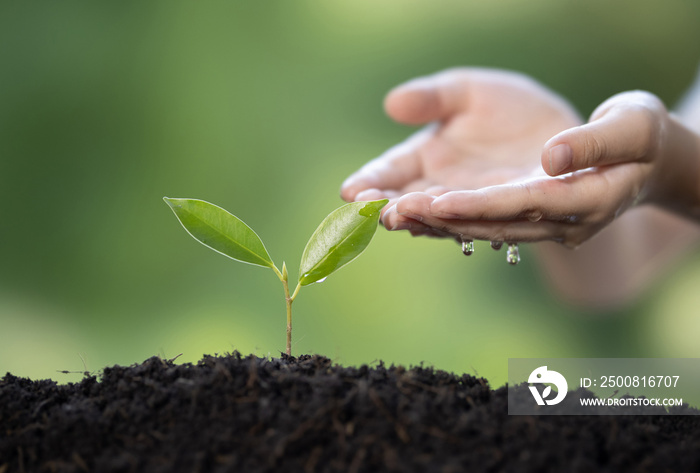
point(339, 239)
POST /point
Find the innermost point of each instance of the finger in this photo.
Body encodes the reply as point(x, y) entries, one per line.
point(420, 185)
point(570, 231)
point(429, 98)
point(389, 206)
point(389, 217)
point(412, 213)
point(509, 232)
point(511, 202)
point(393, 221)
point(622, 129)
point(415, 208)
point(396, 222)
point(375, 194)
point(415, 205)
point(392, 170)
point(436, 191)
point(593, 196)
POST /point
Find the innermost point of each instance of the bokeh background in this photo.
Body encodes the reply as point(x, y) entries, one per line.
point(264, 108)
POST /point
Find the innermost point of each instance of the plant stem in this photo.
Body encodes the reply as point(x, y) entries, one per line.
point(296, 291)
point(288, 299)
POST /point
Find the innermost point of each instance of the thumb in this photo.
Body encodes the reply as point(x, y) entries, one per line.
point(427, 99)
point(624, 128)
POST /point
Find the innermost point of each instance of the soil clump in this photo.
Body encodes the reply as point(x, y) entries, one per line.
point(248, 414)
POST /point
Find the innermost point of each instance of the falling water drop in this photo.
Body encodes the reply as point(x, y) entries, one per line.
point(513, 255)
point(468, 247)
point(496, 245)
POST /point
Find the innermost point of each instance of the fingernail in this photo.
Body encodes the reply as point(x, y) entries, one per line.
point(560, 158)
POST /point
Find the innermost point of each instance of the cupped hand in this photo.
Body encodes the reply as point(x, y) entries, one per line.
point(631, 151)
point(484, 128)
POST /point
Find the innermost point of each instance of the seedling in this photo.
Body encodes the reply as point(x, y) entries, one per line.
point(339, 239)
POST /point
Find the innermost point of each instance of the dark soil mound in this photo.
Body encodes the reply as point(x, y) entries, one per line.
point(306, 415)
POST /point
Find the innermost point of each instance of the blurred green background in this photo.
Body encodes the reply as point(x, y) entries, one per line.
point(264, 108)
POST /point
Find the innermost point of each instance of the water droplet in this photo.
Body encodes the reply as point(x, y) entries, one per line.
point(468, 247)
point(535, 216)
point(322, 279)
point(513, 255)
point(496, 245)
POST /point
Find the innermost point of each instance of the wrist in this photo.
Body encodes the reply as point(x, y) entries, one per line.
point(675, 183)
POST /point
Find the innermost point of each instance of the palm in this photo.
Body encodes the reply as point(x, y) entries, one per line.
point(495, 135)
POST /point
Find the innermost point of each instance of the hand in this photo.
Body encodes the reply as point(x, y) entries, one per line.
point(632, 151)
point(487, 128)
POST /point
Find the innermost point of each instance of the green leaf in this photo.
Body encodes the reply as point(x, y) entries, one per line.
point(340, 238)
point(221, 231)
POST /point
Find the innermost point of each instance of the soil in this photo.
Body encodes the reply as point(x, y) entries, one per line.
point(249, 414)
